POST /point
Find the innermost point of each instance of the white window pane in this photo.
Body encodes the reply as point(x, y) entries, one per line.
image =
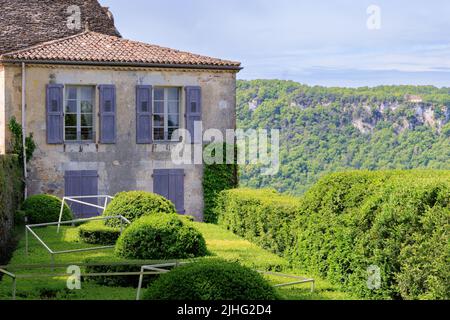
point(173, 94)
point(159, 94)
point(159, 107)
point(173, 107)
point(72, 93)
point(71, 106)
point(158, 121)
point(86, 120)
point(86, 107)
point(174, 121)
point(86, 93)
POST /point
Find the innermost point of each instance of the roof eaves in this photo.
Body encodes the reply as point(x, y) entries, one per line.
point(5, 59)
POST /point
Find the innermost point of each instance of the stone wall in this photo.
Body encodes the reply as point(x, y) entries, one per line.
point(29, 22)
point(124, 165)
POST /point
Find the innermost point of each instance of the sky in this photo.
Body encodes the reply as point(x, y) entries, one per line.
point(317, 42)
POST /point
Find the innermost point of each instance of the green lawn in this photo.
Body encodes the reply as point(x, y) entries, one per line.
point(220, 242)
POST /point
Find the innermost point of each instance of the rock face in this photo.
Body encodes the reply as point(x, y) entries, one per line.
point(29, 22)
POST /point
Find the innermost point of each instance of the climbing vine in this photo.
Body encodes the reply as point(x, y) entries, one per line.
point(216, 178)
point(17, 143)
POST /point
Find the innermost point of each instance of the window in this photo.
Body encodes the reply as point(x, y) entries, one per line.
point(166, 113)
point(79, 113)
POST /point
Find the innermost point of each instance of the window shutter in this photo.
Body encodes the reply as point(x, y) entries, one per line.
point(107, 114)
point(176, 189)
point(161, 182)
point(169, 183)
point(193, 112)
point(82, 183)
point(55, 114)
point(144, 109)
point(73, 188)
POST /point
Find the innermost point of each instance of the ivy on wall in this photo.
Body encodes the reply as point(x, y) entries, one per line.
point(217, 177)
point(17, 143)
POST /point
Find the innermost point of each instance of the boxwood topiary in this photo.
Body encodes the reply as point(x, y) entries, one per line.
point(96, 232)
point(135, 204)
point(211, 279)
point(109, 265)
point(45, 208)
point(163, 236)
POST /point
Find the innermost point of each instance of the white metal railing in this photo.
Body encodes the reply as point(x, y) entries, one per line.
point(77, 199)
point(29, 229)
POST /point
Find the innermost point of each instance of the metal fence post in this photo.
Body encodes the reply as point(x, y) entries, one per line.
point(14, 288)
point(26, 240)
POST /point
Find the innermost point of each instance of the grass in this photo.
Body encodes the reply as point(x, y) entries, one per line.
point(220, 242)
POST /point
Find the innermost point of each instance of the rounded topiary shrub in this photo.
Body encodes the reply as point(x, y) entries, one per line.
point(211, 280)
point(135, 204)
point(160, 236)
point(45, 208)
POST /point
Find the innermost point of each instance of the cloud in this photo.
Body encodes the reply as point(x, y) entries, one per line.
point(297, 37)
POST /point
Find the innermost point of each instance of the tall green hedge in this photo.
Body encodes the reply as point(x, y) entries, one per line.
point(11, 195)
point(261, 216)
point(350, 221)
point(216, 178)
point(397, 221)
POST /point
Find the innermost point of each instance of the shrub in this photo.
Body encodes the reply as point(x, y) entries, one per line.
point(395, 220)
point(260, 216)
point(45, 208)
point(135, 204)
point(350, 221)
point(106, 265)
point(11, 195)
point(160, 237)
point(210, 280)
point(96, 232)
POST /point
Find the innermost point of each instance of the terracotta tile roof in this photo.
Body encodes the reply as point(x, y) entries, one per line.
point(96, 48)
point(26, 23)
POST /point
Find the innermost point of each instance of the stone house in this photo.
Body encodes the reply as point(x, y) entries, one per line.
point(102, 109)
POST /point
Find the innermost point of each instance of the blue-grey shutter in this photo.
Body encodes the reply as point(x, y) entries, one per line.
point(176, 189)
point(55, 114)
point(193, 112)
point(89, 187)
point(82, 183)
point(72, 189)
point(169, 183)
point(144, 108)
point(161, 182)
point(107, 114)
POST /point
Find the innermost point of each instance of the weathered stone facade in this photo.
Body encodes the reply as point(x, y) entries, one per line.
point(124, 165)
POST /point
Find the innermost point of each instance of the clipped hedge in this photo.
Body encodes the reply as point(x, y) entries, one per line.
point(210, 280)
point(216, 178)
point(45, 208)
point(11, 195)
point(135, 204)
point(96, 232)
point(261, 216)
point(350, 221)
point(397, 221)
point(162, 237)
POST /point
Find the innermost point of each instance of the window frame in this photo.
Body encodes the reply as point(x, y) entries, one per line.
point(166, 113)
point(79, 112)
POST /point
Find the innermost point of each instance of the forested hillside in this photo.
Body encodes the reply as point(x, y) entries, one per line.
point(333, 129)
